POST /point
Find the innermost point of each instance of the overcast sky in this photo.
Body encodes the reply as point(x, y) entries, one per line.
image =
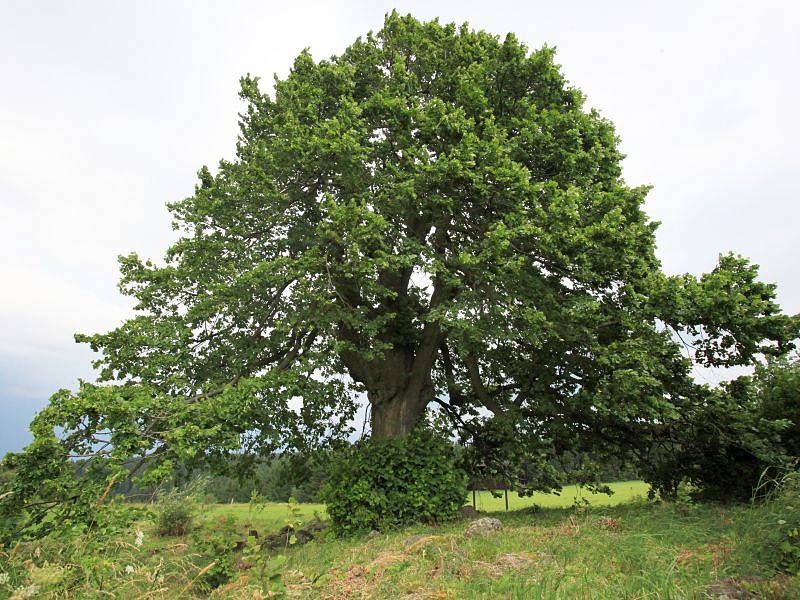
point(108, 109)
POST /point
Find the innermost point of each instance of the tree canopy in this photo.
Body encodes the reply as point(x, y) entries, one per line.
point(432, 218)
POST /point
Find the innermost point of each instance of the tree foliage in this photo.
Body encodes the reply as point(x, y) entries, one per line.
point(432, 217)
point(738, 442)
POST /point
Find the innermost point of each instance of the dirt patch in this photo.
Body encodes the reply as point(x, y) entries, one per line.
point(608, 523)
point(360, 580)
point(570, 528)
point(719, 552)
point(686, 557)
point(427, 595)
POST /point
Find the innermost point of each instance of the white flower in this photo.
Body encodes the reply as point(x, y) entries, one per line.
point(129, 569)
point(139, 538)
point(4, 577)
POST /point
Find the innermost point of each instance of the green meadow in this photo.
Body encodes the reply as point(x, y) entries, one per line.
point(273, 514)
point(624, 491)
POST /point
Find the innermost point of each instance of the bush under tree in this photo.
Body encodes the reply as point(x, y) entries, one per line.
point(384, 483)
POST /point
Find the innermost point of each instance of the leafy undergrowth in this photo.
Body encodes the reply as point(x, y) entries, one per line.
point(636, 550)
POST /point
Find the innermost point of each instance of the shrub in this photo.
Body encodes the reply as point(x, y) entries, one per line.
point(378, 484)
point(174, 513)
point(217, 542)
point(778, 388)
point(721, 447)
point(774, 529)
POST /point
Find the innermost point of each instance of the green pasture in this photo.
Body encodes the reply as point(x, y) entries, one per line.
point(273, 515)
point(624, 491)
point(268, 516)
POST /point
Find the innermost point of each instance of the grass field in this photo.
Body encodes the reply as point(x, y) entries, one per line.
point(612, 547)
point(273, 515)
point(627, 551)
point(606, 548)
point(624, 491)
point(266, 517)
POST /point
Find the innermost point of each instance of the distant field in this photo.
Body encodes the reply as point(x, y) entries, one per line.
point(624, 491)
point(268, 516)
point(273, 515)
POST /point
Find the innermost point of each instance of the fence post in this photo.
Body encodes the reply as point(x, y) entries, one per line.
point(473, 499)
point(506, 491)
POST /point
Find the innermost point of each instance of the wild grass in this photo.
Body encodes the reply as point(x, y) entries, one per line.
point(634, 549)
point(630, 551)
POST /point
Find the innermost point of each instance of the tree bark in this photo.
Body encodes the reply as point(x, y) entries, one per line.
point(394, 416)
point(398, 383)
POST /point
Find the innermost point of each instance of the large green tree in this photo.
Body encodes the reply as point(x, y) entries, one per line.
point(431, 218)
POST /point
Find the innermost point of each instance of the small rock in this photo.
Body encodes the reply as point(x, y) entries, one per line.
point(317, 525)
point(483, 526)
point(303, 536)
point(467, 512)
point(373, 534)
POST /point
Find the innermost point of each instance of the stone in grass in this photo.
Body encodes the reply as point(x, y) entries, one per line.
point(468, 512)
point(483, 526)
point(373, 534)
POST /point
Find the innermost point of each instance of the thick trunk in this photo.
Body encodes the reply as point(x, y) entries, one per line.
point(398, 383)
point(395, 416)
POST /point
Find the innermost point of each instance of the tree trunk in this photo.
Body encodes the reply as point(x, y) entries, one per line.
point(394, 416)
point(398, 384)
